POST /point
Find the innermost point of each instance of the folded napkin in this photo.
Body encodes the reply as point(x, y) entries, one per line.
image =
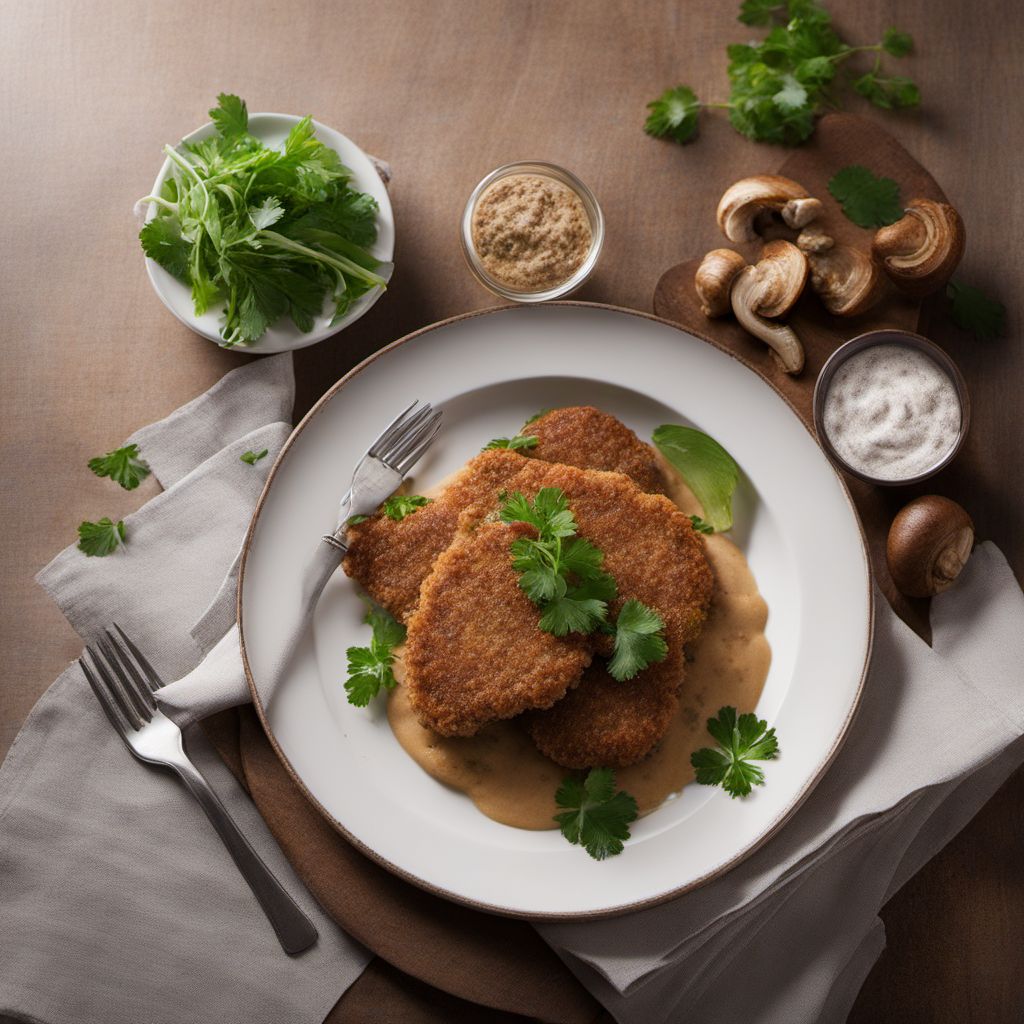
point(789, 934)
point(118, 902)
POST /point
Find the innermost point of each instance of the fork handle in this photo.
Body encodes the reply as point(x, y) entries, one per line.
point(294, 930)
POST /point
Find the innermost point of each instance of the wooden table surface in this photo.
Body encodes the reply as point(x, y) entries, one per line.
point(445, 91)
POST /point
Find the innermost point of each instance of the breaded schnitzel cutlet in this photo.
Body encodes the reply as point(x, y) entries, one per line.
point(587, 438)
point(608, 723)
point(474, 650)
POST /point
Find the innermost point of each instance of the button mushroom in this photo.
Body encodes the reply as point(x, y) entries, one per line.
point(714, 278)
point(922, 249)
point(742, 202)
point(846, 279)
point(929, 543)
point(770, 289)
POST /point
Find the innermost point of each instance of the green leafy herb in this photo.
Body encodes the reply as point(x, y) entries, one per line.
point(708, 469)
point(596, 817)
point(402, 505)
point(639, 640)
point(536, 416)
point(560, 572)
point(781, 84)
point(268, 232)
point(122, 465)
point(353, 520)
point(700, 526)
point(517, 443)
point(252, 457)
point(370, 669)
point(673, 114)
point(868, 201)
point(740, 741)
point(972, 310)
point(99, 539)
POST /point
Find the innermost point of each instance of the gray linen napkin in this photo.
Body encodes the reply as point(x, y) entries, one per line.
point(119, 903)
point(938, 730)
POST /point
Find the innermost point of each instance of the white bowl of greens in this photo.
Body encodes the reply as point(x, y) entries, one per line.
point(267, 232)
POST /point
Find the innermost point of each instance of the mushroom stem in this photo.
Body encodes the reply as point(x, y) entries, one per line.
point(780, 338)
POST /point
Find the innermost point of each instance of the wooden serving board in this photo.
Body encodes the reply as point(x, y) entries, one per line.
point(839, 140)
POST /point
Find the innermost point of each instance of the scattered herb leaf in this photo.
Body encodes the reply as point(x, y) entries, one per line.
point(740, 741)
point(639, 640)
point(370, 669)
point(700, 526)
point(122, 465)
point(536, 416)
point(353, 520)
point(102, 538)
point(708, 469)
point(517, 443)
point(251, 457)
point(596, 817)
point(673, 114)
point(401, 505)
point(868, 201)
point(972, 310)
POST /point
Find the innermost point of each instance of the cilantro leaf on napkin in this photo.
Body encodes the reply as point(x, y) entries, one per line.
point(251, 458)
point(101, 538)
point(122, 465)
point(708, 469)
point(972, 310)
point(639, 640)
point(868, 201)
point(371, 668)
point(740, 741)
point(596, 817)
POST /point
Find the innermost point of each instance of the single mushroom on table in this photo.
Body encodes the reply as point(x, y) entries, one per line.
point(747, 200)
point(847, 280)
point(922, 249)
point(767, 290)
point(929, 543)
point(714, 278)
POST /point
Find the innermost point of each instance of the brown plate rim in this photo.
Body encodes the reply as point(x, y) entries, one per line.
point(718, 871)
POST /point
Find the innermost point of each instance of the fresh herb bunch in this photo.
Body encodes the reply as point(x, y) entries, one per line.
point(741, 740)
point(780, 85)
point(562, 574)
point(269, 232)
point(370, 669)
point(596, 817)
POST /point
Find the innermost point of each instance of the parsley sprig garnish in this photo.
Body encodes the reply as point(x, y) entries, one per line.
point(251, 458)
point(596, 817)
point(781, 84)
point(741, 740)
point(518, 442)
point(401, 505)
point(972, 310)
point(122, 465)
point(700, 525)
point(868, 201)
point(101, 538)
point(370, 669)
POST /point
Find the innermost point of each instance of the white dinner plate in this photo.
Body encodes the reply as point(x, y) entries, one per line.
point(489, 372)
point(272, 130)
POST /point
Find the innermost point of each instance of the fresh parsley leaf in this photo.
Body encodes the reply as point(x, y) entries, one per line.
point(401, 505)
point(370, 669)
point(230, 116)
point(897, 44)
point(517, 443)
point(536, 416)
point(792, 96)
point(868, 201)
point(700, 526)
point(639, 640)
point(740, 741)
point(972, 310)
point(888, 93)
point(99, 539)
point(252, 457)
point(673, 114)
point(354, 520)
point(708, 469)
point(759, 12)
point(122, 465)
point(161, 241)
point(596, 817)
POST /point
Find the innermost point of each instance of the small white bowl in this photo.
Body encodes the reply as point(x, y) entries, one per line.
point(271, 130)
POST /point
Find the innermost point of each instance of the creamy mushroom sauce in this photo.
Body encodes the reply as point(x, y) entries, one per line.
point(510, 781)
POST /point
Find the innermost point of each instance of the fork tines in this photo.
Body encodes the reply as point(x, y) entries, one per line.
point(406, 438)
point(122, 679)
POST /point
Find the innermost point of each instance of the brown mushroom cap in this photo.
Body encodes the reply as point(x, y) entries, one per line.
point(847, 280)
point(922, 249)
point(782, 274)
point(929, 543)
point(742, 201)
point(714, 278)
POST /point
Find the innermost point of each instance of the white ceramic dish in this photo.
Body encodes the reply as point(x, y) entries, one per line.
point(489, 372)
point(272, 129)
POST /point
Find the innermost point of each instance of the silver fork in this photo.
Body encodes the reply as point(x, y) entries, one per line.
point(124, 683)
point(385, 464)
